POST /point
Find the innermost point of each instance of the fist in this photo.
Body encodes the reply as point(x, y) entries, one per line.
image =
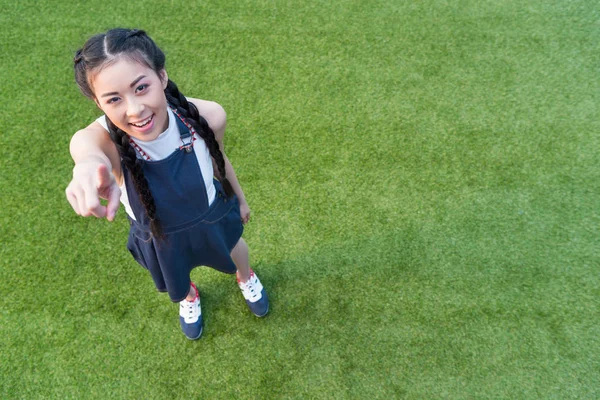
point(245, 212)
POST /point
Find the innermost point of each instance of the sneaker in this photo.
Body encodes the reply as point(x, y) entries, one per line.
point(255, 295)
point(190, 316)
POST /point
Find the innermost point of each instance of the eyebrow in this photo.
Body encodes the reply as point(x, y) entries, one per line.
point(139, 78)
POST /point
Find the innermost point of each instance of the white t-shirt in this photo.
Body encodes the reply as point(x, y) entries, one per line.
point(162, 147)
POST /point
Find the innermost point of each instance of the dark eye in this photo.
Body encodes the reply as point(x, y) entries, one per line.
point(112, 100)
point(141, 88)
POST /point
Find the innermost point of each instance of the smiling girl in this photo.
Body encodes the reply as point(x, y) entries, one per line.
point(161, 155)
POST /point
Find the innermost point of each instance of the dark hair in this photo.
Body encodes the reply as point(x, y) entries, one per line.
point(107, 48)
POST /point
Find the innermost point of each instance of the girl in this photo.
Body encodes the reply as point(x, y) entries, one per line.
point(156, 152)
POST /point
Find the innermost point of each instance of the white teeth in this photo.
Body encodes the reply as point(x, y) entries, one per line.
point(143, 123)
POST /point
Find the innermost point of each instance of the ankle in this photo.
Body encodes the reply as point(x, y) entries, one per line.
point(243, 278)
point(192, 294)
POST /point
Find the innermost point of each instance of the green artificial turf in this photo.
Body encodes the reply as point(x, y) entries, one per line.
point(423, 177)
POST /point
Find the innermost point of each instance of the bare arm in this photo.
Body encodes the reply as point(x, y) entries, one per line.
point(95, 174)
point(93, 142)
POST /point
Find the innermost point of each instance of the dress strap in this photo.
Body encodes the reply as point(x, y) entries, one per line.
point(186, 131)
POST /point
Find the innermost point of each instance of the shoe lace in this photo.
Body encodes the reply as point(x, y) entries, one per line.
point(249, 288)
point(189, 309)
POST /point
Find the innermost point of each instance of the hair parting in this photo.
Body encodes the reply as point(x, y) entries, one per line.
point(106, 48)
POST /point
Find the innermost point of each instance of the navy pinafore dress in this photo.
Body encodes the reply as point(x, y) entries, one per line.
point(194, 232)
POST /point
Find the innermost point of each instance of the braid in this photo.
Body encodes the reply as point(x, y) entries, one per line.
point(135, 45)
point(133, 164)
point(78, 57)
point(193, 117)
point(135, 32)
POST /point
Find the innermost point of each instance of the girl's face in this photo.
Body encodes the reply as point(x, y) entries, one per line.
point(132, 97)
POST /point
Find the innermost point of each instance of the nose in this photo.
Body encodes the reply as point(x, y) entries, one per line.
point(135, 108)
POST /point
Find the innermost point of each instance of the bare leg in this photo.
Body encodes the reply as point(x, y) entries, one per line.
point(191, 295)
point(241, 258)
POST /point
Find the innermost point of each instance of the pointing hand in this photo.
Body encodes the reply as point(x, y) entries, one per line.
point(92, 182)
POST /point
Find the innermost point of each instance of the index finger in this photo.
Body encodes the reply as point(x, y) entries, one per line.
point(114, 201)
point(92, 202)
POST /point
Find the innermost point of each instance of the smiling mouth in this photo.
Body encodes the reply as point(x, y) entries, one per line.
point(143, 123)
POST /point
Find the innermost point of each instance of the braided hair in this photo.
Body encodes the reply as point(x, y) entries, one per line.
point(192, 116)
point(106, 49)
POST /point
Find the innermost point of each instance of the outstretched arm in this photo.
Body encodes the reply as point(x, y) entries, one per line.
point(97, 169)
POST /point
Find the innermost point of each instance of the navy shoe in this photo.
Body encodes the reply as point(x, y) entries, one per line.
point(190, 317)
point(255, 295)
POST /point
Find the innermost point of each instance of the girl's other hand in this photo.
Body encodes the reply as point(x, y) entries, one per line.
point(245, 212)
point(92, 182)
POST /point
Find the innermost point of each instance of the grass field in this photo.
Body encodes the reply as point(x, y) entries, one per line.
point(424, 181)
